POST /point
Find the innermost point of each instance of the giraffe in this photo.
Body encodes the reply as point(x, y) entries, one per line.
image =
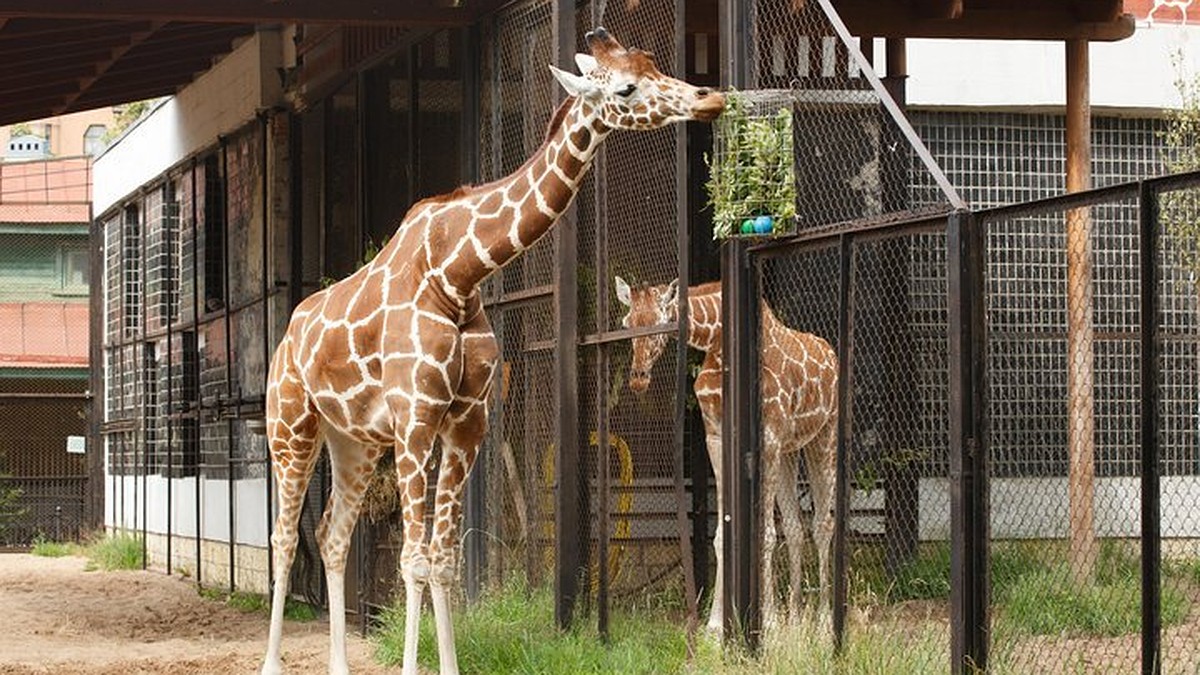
point(400, 354)
point(799, 413)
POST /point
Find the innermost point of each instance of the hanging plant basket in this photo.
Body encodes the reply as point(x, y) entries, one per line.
point(752, 185)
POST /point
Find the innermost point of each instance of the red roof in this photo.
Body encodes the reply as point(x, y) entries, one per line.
point(56, 190)
point(43, 335)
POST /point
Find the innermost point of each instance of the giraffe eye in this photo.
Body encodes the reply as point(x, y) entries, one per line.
point(627, 89)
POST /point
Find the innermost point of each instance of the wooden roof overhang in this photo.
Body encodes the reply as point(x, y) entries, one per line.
point(60, 56)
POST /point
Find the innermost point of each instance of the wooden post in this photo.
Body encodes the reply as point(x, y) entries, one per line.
point(1080, 397)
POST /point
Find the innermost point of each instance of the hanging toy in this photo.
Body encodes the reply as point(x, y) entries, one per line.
point(748, 226)
point(763, 225)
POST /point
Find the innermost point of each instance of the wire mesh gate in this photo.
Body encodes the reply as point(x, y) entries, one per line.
point(625, 221)
point(1018, 549)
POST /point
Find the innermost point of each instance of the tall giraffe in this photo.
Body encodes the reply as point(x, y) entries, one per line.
point(400, 353)
point(798, 389)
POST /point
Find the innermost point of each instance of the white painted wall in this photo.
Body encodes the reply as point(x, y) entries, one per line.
point(1135, 73)
point(220, 101)
point(250, 500)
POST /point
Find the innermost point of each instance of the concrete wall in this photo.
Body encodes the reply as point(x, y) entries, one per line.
point(219, 101)
point(1135, 74)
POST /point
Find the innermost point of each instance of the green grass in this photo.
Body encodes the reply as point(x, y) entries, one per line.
point(54, 549)
point(925, 577)
point(512, 631)
point(255, 603)
point(1037, 595)
point(115, 552)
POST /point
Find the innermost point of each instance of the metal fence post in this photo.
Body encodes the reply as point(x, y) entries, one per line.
point(474, 506)
point(1151, 511)
point(969, 533)
point(567, 542)
point(845, 345)
point(739, 445)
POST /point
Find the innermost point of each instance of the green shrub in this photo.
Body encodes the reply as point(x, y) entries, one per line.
point(115, 552)
point(53, 549)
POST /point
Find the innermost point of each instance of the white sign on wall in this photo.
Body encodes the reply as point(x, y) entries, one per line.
point(76, 445)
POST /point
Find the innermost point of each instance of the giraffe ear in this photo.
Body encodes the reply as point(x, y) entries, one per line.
point(623, 291)
point(668, 294)
point(586, 63)
point(576, 85)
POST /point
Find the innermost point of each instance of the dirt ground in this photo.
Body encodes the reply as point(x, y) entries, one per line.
point(57, 618)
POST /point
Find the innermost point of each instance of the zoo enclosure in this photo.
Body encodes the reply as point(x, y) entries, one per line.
point(965, 319)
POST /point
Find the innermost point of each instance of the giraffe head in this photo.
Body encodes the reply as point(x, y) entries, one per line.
point(648, 306)
point(629, 92)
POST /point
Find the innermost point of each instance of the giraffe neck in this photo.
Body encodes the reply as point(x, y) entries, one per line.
point(704, 317)
point(513, 213)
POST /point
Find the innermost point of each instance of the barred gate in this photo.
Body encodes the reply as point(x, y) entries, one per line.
point(1022, 497)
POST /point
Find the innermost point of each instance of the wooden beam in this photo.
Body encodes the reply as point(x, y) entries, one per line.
point(1048, 22)
point(937, 9)
point(104, 66)
point(1096, 11)
point(1081, 399)
point(422, 12)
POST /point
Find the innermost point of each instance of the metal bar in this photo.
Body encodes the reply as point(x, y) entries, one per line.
point(1150, 465)
point(170, 221)
point(224, 197)
point(474, 507)
point(144, 279)
point(841, 504)
point(739, 440)
point(863, 231)
point(94, 513)
point(738, 383)
point(195, 326)
point(521, 297)
point(969, 569)
point(683, 274)
point(885, 98)
point(267, 274)
point(568, 553)
point(624, 334)
point(603, 460)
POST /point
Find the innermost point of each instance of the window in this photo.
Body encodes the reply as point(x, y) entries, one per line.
point(93, 139)
point(214, 235)
point(73, 264)
point(131, 271)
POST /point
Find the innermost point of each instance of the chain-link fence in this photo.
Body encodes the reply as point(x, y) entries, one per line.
point(1067, 286)
point(1089, 458)
point(44, 295)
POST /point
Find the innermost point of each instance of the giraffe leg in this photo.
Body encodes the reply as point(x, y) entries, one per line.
point(820, 457)
point(716, 615)
point(295, 444)
point(417, 415)
point(351, 464)
point(770, 483)
point(462, 433)
point(793, 528)
point(412, 455)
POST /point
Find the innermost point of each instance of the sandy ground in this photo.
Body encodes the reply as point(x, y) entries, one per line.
point(56, 618)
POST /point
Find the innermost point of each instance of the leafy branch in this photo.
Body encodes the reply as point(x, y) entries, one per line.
point(750, 171)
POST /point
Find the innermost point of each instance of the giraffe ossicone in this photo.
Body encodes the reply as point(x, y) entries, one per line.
point(799, 413)
point(401, 354)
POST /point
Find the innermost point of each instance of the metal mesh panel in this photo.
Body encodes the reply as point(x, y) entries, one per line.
point(43, 380)
point(896, 553)
point(849, 158)
point(636, 237)
point(517, 463)
point(1178, 440)
point(1064, 408)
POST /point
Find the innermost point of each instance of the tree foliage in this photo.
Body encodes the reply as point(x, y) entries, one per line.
point(1180, 209)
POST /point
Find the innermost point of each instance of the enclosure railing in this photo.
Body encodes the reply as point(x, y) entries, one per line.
point(957, 354)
